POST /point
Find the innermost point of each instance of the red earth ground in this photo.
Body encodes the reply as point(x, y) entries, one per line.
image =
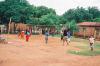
point(36, 53)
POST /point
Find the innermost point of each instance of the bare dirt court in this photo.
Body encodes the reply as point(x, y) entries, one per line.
point(37, 53)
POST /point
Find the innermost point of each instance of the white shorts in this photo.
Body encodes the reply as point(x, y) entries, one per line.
point(68, 39)
point(65, 38)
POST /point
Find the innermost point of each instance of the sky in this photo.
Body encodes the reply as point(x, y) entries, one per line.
point(61, 6)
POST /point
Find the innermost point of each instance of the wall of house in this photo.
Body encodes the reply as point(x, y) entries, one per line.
point(43, 28)
point(98, 33)
point(17, 27)
point(87, 31)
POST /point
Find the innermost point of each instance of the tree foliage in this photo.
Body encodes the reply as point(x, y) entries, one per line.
point(15, 9)
point(94, 12)
point(22, 11)
point(49, 19)
point(81, 14)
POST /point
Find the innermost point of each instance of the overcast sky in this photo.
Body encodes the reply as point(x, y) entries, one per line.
point(61, 6)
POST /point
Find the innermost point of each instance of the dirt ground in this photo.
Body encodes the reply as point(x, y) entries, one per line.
point(37, 53)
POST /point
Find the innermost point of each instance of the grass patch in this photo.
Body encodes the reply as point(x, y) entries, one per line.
point(79, 40)
point(82, 47)
point(85, 53)
point(84, 50)
point(97, 46)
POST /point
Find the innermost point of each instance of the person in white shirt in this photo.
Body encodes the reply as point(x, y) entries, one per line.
point(91, 41)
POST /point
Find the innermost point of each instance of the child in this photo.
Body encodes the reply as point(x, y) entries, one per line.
point(61, 35)
point(27, 35)
point(22, 34)
point(91, 40)
point(46, 36)
point(68, 36)
point(64, 36)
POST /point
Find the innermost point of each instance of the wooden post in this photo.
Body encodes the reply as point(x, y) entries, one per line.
point(84, 30)
point(9, 26)
point(95, 33)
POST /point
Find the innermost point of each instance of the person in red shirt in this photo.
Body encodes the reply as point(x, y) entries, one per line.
point(27, 35)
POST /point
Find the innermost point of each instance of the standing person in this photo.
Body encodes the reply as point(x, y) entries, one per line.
point(22, 34)
point(61, 34)
point(27, 35)
point(64, 36)
point(91, 41)
point(62, 30)
point(68, 36)
point(46, 36)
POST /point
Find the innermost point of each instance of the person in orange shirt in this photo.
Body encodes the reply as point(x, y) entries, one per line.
point(22, 34)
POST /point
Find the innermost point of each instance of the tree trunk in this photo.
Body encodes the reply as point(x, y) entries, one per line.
point(9, 26)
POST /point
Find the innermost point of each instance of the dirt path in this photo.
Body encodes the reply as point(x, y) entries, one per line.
point(37, 53)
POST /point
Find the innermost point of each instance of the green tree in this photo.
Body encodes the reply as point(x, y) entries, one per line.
point(18, 10)
point(96, 20)
point(62, 20)
point(69, 15)
point(79, 14)
point(39, 13)
point(94, 11)
point(72, 25)
point(42, 10)
point(49, 19)
point(82, 14)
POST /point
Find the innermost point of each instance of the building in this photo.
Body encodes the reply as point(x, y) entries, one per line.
point(43, 28)
point(89, 28)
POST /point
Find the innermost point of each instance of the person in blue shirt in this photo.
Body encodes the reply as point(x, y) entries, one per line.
point(46, 36)
point(68, 36)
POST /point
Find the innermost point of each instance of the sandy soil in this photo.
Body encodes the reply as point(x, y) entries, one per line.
point(37, 53)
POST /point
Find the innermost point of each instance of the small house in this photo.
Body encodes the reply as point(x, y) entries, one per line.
point(89, 28)
point(42, 28)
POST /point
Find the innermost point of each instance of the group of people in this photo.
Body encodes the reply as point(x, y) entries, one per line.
point(66, 34)
point(24, 34)
point(65, 37)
